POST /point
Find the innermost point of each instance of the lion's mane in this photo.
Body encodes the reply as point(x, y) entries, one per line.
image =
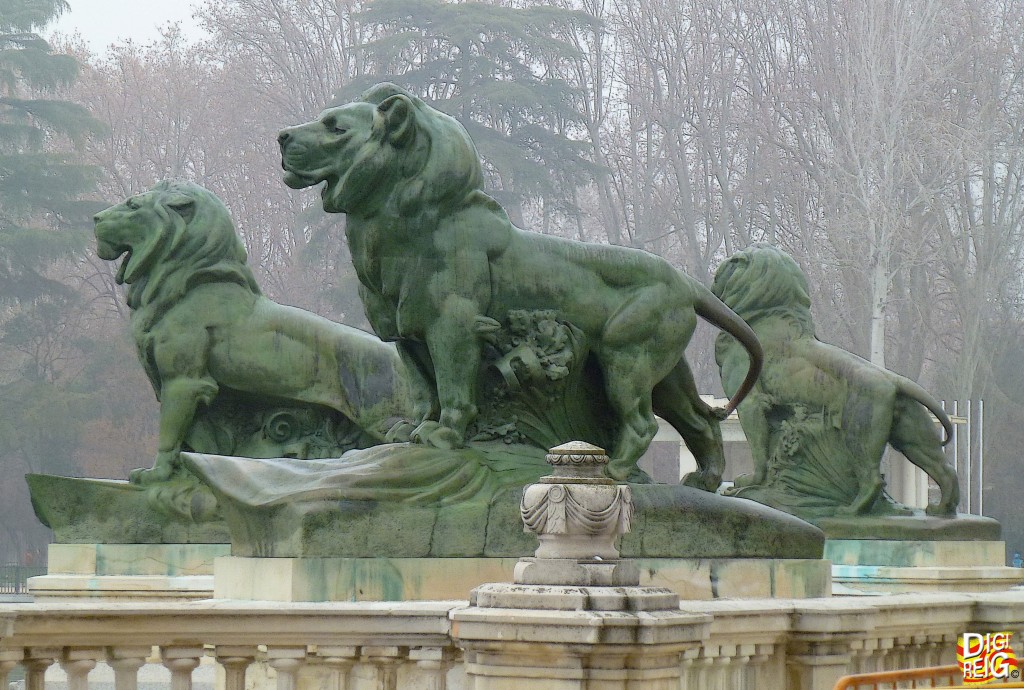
point(204, 249)
point(763, 281)
point(439, 170)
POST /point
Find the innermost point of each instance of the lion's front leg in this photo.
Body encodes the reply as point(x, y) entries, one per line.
point(179, 399)
point(454, 347)
point(416, 358)
point(420, 372)
point(753, 414)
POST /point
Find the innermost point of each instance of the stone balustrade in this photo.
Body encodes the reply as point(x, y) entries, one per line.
point(765, 644)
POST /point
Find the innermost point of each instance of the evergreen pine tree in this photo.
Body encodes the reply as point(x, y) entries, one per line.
point(40, 183)
point(497, 69)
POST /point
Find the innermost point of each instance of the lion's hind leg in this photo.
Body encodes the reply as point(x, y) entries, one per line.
point(629, 393)
point(640, 344)
point(916, 437)
point(677, 401)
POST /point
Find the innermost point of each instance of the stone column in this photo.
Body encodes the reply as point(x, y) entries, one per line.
point(575, 618)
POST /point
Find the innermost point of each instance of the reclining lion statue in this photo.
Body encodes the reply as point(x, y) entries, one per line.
point(441, 267)
point(206, 336)
point(819, 418)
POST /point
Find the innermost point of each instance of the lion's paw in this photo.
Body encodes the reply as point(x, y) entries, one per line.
point(702, 481)
point(749, 479)
point(400, 432)
point(433, 434)
point(719, 414)
point(142, 476)
point(940, 511)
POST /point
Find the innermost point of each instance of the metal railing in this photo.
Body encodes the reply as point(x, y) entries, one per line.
point(918, 678)
point(13, 577)
point(949, 676)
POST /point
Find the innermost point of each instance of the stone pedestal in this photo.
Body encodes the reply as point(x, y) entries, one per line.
point(128, 572)
point(577, 514)
point(409, 579)
point(575, 618)
point(892, 566)
point(525, 637)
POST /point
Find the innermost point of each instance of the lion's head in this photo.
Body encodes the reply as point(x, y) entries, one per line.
point(172, 237)
point(762, 280)
point(388, 151)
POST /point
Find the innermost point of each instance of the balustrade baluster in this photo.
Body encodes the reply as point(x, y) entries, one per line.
point(436, 662)
point(689, 674)
point(740, 664)
point(385, 660)
point(340, 660)
point(77, 663)
point(235, 661)
point(722, 677)
point(37, 660)
point(703, 667)
point(759, 675)
point(286, 661)
point(9, 658)
point(126, 662)
point(181, 661)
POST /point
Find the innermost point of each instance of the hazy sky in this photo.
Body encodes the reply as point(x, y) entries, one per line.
point(102, 22)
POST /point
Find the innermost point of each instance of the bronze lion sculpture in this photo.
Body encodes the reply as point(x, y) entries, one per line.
point(819, 418)
point(441, 266)
point(203, 328)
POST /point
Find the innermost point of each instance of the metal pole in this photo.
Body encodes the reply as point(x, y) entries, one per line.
point(981, 457)
point(956, 447)
point(956, 441)
point(970, 450)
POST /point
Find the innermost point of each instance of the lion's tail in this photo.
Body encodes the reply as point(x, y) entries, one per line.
point(718, 314)
point(914, 390)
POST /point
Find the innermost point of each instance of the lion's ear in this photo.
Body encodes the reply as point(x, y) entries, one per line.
point(399, 116)
point(184, 206)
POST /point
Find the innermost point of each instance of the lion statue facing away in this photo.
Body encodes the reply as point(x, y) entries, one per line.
point(819, 418)
point(441, 267)
point(204, 332)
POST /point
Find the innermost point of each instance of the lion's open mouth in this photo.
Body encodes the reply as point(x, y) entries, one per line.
point(110, 251)
point(297, 179)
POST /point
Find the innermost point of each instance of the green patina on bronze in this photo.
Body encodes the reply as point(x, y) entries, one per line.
point(236, 373)
point(372, 503)
point(508, 342)
point(108, 511)
point(442, 269)
point(819, 418)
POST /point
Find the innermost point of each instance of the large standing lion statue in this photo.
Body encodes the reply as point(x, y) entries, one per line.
point(441, 267)
point(819, 418)
point(205, 332)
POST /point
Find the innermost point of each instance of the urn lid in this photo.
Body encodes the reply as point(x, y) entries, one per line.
point(577, 459)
